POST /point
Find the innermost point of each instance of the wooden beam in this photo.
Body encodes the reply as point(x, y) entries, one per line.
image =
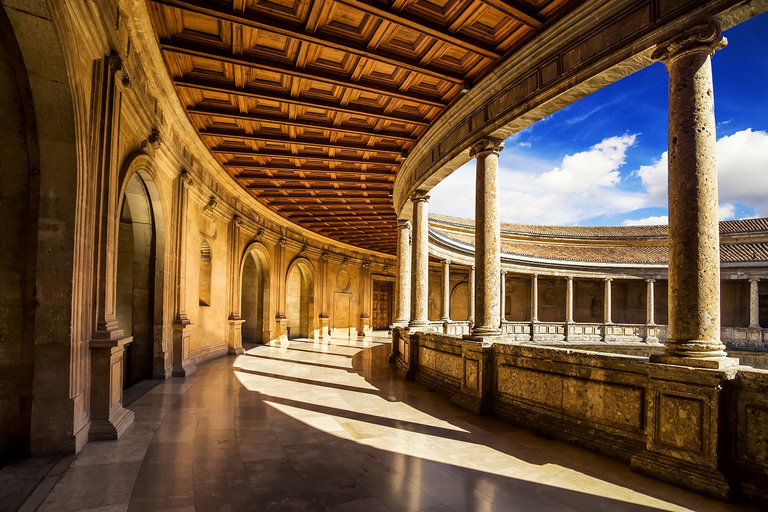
point(343, 172)
point(219, 55)
point(303, 142)
point(308, 168)
point(265, 118)
point(423, 26)
point(299, 179)
point(281, 97)
point(339, 215)
point(375, 196)
point(288, 188)
point(518, 10)
point(267, 23)
point(315, 158)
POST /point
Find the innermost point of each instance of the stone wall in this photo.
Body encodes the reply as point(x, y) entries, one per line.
point(696, 428)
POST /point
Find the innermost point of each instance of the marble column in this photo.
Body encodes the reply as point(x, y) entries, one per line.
point(446, 316)
point(569, 300)
point(503, 297)
point(487, 238)
point(754, 304)
point(694, 243)
point(420, 263)
point(534, 298)
point(403, 273)
point(650, 302)
point(607, 302)
point(471, 295)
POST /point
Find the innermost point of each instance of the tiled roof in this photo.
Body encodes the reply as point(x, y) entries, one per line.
point(610, 232)
point(615, 249)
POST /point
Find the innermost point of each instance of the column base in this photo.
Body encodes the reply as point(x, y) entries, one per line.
point(710, 482)
point(185, 370)
point(484, 332)
point(235, 336)
point(365, 326)
point(112, 428)
point(711, 363)
point(182, 362)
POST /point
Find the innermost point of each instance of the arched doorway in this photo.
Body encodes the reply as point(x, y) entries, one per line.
point(139, 280)
point(300, 299)
point(252, 299)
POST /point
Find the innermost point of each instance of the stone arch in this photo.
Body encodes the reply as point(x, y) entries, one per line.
point(300, 299)
point(141, 240)
point(256, 286)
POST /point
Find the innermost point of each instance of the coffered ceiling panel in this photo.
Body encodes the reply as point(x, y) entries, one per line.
point(313, 105)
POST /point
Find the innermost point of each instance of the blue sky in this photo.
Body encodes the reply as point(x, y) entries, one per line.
point(602, 160)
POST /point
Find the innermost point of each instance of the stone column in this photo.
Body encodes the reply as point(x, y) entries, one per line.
point(365, 318)
point(650, 302)
point(503, 297)
point(324, 318)
point(182, 364)
point(694, 242)
point(420, 263)
point(281, 321)
point(534, 298)
point(487, 238)
point(569, 300)
point(607, 301)
point(754, 304)
point(446, 317)
point(403, 273)
point(471, 294)
point(235, 329)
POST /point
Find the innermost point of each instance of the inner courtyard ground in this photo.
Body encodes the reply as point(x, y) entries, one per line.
point(307, 425)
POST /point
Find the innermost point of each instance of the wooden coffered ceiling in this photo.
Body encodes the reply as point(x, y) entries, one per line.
point(312, 105)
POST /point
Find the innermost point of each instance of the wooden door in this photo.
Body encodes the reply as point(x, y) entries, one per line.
point(382, 304)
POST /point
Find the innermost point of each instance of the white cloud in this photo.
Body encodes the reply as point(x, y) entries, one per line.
point(742, 167)
point(582, 186)
point(660, 220)
point(525, 144)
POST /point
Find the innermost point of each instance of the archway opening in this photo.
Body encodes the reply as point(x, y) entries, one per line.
point(138, 280)
point(252, 300)
point(299, 301)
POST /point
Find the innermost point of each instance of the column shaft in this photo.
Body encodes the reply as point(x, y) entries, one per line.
point(446, 316)
point(403, 272)
point(420, 263)
point(650, 302)
point(569, 300)
point(487, 238)
point(503, 297)
point(471, 294)
point(694, 242)
point(607, 302)
point(754, 304)
point(534, 298)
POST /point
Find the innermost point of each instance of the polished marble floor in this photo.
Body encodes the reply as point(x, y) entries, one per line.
point(329, 426)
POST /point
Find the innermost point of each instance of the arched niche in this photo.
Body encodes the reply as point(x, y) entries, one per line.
point(460, 302)
point(300, 299)
point(142, 293)
point(255, 294)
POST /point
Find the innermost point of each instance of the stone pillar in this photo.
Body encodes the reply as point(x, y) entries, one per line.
point(324, 318)
point(503, 298)
point(446, 316)
point(471, 294)
point(487, 238)
point(281, 321)
point(403, 273)
point(109, 419)
point(235, 328)
point(754, 304)
point(182, 364)
point(534, 298)
point(694, 243)
point(568, 306)
point(650, 302)
point(607, 301)
point(365, 318)
point(420, 263)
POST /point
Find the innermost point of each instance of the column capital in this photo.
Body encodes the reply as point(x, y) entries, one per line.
point(446, 262)
point(569, 278)
point(503, 272)
point(404, 224)
point(420, 197)
point(484, 146)
point(186, 179)
point(237, 221)
point(608, 279)
point(650, 280)
point(701, 38)
point(754, 279)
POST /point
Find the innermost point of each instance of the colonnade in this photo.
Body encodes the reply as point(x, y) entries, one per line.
point(694, 260)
